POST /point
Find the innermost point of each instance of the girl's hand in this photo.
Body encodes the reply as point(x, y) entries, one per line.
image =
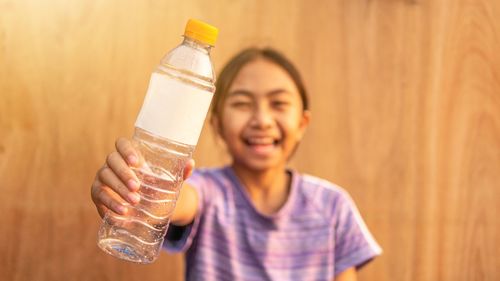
point(115, 185)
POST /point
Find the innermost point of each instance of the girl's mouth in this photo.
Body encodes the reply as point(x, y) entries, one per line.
point(261, 141)
point(262, 145)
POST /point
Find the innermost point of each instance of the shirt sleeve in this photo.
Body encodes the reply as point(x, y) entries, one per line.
point(179, 238)
point(354, 244)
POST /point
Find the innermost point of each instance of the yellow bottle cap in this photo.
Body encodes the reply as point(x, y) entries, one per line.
point(201, 31)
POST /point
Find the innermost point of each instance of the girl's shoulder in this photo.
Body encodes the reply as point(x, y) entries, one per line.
point(312, 184)
point(209, 171)
point(209, 176)
point(324, 196)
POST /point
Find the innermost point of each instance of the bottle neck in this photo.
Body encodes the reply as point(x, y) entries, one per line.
point(197, 44)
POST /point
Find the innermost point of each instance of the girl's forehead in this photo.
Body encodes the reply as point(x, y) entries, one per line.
point(262, 75)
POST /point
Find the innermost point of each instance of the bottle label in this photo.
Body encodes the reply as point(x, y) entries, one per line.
point(174, 110)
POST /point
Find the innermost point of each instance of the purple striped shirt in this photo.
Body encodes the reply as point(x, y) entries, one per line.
point(317, 233)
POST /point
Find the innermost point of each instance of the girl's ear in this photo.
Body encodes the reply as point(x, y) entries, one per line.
point(305, 119)
point(215, 122)
point(217, 129)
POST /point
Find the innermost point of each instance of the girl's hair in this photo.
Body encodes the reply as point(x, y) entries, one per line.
point(232, 68)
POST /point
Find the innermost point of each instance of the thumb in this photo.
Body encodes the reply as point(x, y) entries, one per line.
point(188, 169)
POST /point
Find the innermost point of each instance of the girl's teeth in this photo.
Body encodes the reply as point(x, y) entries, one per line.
point(261, 141)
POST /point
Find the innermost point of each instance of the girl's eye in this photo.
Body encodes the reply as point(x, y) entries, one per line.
point(280, 104)
point(241, 104)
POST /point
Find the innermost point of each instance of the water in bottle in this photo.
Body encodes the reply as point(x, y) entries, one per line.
point(166, 132)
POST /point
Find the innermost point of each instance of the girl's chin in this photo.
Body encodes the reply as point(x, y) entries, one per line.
point(264, 151)
point(261, 165)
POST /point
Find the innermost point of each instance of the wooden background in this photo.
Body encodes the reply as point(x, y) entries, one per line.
point(406, 116)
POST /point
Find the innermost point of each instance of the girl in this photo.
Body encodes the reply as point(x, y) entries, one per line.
point(255, 219)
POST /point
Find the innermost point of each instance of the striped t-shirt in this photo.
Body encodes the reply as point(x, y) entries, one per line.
point(315, 235)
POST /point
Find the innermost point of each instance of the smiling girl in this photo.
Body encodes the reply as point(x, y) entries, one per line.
point(255, 219)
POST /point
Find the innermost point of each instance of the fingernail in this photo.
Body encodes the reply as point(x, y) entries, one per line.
point(132, 159)
point(133, 184)
point(122, 209)
point(134, 197)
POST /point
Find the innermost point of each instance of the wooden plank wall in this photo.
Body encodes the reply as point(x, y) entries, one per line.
point(406, 116)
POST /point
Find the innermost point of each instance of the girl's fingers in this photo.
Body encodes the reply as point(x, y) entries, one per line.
point(128, 152)
point(106, 199)
point(108, 177)
point(122, 171)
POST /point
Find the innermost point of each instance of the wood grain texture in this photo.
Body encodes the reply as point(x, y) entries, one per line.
point(406, 116)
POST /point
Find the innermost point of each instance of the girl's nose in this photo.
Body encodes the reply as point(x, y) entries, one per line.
point(261, 118)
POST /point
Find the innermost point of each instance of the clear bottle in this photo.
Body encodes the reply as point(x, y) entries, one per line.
point(166, 133)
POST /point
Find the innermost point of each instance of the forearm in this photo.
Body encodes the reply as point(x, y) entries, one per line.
point(186, 206)
point(347, 275)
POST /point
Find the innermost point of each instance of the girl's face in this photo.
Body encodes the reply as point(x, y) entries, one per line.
point(263, 119)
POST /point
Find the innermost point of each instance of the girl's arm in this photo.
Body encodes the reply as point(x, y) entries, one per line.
point(347, 275)
point(186, 206)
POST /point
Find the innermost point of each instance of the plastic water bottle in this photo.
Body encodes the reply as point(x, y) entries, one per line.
point(166, 132)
